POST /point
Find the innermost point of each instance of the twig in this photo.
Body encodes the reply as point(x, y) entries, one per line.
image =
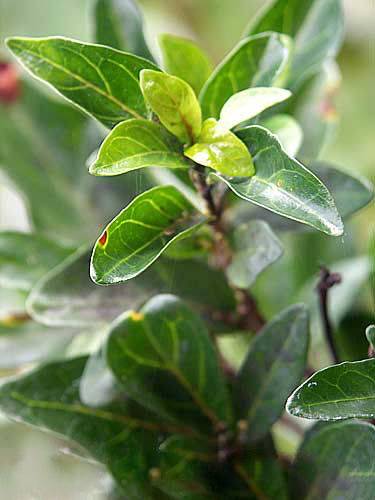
point(327, 281)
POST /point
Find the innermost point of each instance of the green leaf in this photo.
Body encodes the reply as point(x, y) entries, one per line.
point(274, 365)
point(48, 398)
point(259, 61)
point(119, 24)
point(25, 258)
point(164, 358)
point(140, 234)
point(183, 58)
point(370, 335)
point(249, 103)
point(336, 462)
point(174, 102)
point(255, 248)
point(27, 342)
point(137, 144)
point(287, 130)
point(317, 26)
point(283, 185)
point(102, 81)
point(350, 343)
point(337, 392)
point(221, 150)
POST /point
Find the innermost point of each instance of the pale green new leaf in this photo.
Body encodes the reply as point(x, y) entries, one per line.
point(137, 144)
point(249, 103)
point(219, 149)
point(185, 59)
point(140, 234)
point(259, 61)
point(255, 248)
point(283, 185)
point(119, 24)
point(102, 81)
point(174, 102)
point(287, 130)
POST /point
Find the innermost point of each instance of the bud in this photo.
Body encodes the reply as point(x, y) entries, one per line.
point(9, 83)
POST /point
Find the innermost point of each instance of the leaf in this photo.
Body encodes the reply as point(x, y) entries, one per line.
point(259, 61)
point(338, 392)
point(137, 144)
point(249, 103)
point(317, 27)
point(283, 185)
point(48, 398)
point(287, 130)
point(370, 335)
point(119, 24)
point(174, 102)
point(165, 360)
point(103, 82)
point(140, 234)
point(336, 462)
point(351, 344)
point(25, 258)
point(183, 58)
point(255, 248)
point(27, 342)
point(221, 150)
point(273, 366)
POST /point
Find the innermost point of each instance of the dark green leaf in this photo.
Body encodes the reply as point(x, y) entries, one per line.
point(25, 258)
point(350, 343)
point(175, 103)
point(337, 392)
point(165, 360)
point(255, 248)
point(336, 462)
point(48, 398)
point(370, 335)
point(287, 130)
point(221, 150)
point(183, 58)
point(259, 61)
point(141, 232)
point(137, 144)
point(119, 24)
point(273, 367)
point(283, 185)
point(102, 81)
point(249, 103)
point(317, 27)
point(27, 342)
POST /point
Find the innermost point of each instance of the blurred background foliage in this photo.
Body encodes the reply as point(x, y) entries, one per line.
point(217, 26)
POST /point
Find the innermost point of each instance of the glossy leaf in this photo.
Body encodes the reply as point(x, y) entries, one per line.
point(137, 144)
point(26, 342)
point(119, 24)
point(174, 101)
point(164, 358)
point(185, 59)
point(337, 392)
point(48, 398)
point(335, 462)
point(140, 234)
point(283, 185)
point(317, 27)
point(249, 103)
point(273, 366)
point(25, 258)
point(287, 130)
point(255, 248)
point(259, 61)
point(102, 81)
point(221, 150)
point(370, 335)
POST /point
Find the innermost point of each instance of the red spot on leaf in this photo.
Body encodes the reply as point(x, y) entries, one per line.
point(9, 83)
point(103, 238)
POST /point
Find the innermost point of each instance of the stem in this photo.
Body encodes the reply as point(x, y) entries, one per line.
point(327, 281)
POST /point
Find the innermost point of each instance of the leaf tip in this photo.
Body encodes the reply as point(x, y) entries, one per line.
point(136, 316)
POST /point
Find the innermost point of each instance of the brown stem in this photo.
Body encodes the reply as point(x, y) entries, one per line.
point(327, 281)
